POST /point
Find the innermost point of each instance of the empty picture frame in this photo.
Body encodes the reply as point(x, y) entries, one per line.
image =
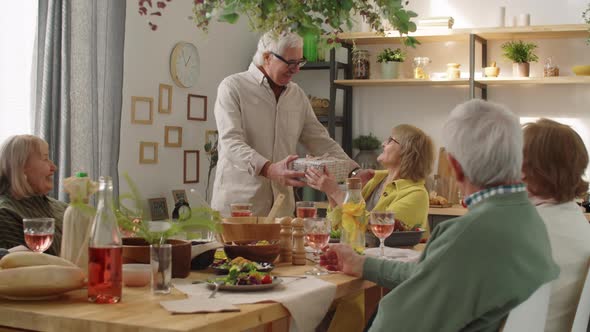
point(148, 152)
point(142, 111)
point(165, 99)
point(196, 107)
point(190, 171)
point(178, 194)
point(158, 208)
point(173, 136)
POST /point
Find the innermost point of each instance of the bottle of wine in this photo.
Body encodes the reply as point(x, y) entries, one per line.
point(105, 250)
point(354, 221)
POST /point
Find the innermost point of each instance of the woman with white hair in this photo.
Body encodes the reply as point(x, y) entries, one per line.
point(487, 261)
point(26, 176)
point(261, 116)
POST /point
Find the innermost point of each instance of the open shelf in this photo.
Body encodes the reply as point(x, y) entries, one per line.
point(322, 65)
point(442, 35)
point(534, 80)
point(403, 82)
point(324, 120)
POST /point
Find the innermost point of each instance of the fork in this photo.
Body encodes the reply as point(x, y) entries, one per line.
point(217, 285)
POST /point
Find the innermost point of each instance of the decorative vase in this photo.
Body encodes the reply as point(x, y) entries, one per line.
point(520, 69)
point(367, 159)
point(390, 70)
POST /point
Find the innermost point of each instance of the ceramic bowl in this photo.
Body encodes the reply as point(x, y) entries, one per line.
point(491, 71)
point(137, 275)
point(581, 70)
point(404, 239)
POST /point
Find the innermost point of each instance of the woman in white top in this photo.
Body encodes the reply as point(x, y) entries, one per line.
point(555, 159)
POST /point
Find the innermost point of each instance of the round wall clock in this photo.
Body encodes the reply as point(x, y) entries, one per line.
point(184, 64)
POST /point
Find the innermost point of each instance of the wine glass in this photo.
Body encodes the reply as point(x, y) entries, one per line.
point(317, 235)
point(306, 209)
point(39, 233)
point(241, 209)
point(382, 224)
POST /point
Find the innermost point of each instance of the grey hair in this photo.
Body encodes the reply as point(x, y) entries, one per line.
point(277, 43)
point(14, 154)
point(487, 140)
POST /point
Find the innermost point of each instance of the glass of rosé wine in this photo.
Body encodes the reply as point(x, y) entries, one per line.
point(317, 236)
point(241, 209)
point(39, 233)
point(381, 224)
point(305, 209)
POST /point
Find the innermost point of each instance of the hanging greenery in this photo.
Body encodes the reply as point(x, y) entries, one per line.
point(321, 17)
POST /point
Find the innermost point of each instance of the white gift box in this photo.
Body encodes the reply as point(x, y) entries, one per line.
point(337, 167)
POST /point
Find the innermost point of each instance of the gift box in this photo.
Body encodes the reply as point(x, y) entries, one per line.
point(337, 167)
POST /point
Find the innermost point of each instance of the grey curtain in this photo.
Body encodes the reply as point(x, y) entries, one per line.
point(83, 124)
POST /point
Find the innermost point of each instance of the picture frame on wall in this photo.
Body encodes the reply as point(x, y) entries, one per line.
point(165, 98)
point(190, 172)
point(179, 194)
point(196, 107)
point(142, 111)
point(158, 208)
point(172, 136)
point(148, 152)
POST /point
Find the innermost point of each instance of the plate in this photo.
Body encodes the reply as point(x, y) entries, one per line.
point(247, 288)
point(266, 267)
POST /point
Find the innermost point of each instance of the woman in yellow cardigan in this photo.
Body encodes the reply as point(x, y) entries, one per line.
point(408, 157)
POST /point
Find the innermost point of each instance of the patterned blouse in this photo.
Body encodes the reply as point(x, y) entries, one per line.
point(13, 211)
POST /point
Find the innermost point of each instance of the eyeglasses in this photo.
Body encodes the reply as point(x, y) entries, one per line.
point(391, 139)
point(292, 64)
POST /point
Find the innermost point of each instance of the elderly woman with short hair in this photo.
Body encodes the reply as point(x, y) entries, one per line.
point(408, 157)
point(26, 176)
point(553, 175)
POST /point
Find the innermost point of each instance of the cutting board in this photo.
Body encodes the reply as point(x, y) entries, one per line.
point(446, 183)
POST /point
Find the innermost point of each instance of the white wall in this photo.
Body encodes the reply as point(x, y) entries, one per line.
point(225, 50)
point(228, 49)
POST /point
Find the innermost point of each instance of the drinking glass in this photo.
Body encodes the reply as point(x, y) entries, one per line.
point(306, 209)
point(241, 209)
point(39, 233)
point(161, 261)
point(317, 235)
point(382, 224)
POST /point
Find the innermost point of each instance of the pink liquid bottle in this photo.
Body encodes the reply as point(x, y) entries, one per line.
point(105, 250)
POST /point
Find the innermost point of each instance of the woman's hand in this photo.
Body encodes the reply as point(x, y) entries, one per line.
point(322, 181)
point(341, 257)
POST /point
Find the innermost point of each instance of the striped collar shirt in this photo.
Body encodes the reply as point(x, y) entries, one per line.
point(493, 191)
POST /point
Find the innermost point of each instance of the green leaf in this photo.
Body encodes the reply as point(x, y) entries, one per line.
point(229, 18)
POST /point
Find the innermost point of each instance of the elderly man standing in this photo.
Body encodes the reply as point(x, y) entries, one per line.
point(261, 116)
point(476, 267)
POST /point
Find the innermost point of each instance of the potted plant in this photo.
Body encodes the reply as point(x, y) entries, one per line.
point(390, 61)
point(367, 145)
point(521, 54)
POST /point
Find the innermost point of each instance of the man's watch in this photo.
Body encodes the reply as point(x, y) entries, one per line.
point(354, 172)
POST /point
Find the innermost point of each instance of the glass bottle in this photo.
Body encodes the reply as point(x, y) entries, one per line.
point(420, 68)
point(105, 250)
point(354, 221)
point(361, 67)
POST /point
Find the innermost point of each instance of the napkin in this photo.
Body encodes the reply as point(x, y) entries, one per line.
point(398, 254)
point(195, 305)
point(307, 300)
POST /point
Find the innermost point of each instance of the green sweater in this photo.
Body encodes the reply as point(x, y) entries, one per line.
point(13, 211)
point(473, 271)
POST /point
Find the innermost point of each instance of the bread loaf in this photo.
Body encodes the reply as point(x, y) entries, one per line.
point(43, 280)
point(27, 258)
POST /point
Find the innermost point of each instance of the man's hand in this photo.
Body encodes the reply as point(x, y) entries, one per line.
point(341, 257)
point(280, 172)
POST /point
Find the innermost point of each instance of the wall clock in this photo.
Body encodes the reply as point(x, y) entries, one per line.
point(184, 64)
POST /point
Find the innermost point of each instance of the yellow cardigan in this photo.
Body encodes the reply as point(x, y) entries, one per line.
point(406, 198)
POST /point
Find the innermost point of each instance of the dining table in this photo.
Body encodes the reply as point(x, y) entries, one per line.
point(140, 310)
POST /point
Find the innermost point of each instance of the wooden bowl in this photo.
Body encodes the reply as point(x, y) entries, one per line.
point(246, 233)
point(581, 70)
point(261, 254)
point(137, 250)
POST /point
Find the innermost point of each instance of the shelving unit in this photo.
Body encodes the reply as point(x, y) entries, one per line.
point(473, 36)
point(331, 120)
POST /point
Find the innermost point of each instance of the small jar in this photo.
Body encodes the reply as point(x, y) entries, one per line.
point(453, 71)
point(550, 69)
point(361, 66)
point(419, 68)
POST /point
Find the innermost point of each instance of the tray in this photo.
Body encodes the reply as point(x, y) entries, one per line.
point(448, 205)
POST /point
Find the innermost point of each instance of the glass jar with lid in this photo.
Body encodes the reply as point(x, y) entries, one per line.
point(420, 64)
point(361, 66)
point(550, 69)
